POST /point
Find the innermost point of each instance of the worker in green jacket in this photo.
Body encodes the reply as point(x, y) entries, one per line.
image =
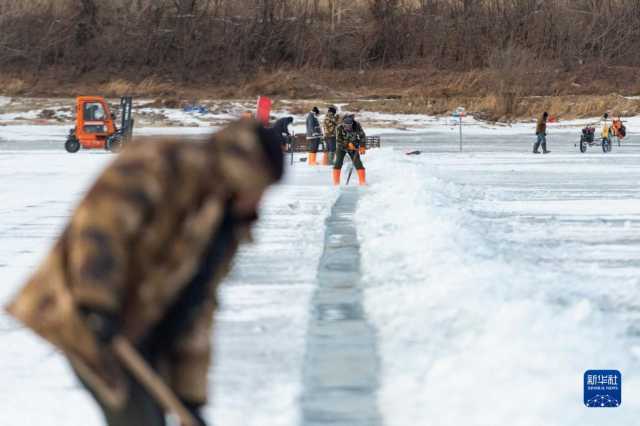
point(350, 140)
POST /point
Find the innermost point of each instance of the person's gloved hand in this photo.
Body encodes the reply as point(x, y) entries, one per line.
point(351, 146)
point(105, 325)
point(194, 408)
point(362, 150)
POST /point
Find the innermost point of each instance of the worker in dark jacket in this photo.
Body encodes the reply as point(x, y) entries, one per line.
point(281, 126)
point(141, 260)
point(541, 134)
point(314, 134)
point(351, 141)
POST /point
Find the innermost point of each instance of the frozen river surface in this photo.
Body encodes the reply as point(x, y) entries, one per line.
point(492, 279)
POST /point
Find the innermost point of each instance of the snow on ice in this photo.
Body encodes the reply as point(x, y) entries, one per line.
point(497, 279)
point(494, 278)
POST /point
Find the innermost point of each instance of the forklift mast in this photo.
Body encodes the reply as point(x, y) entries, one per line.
point(126, 127)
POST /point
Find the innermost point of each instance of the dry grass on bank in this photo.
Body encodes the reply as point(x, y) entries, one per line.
point(488, 94)
point(492, 108)
point(151, 86)
point(12, 86)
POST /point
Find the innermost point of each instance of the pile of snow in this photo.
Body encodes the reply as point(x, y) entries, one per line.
point(490, 296)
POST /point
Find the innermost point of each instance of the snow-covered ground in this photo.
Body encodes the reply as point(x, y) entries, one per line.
point(494, 278)
point(261, 327)
point(497, 278)
point(37, 191)
point(29, 118)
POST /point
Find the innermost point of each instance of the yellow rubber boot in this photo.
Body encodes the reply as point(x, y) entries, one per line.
point(325, 158)
point(362, 177)
point(336, 176)
point(312, 159)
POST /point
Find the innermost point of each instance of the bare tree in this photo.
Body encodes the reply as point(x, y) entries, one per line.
point(218, 38)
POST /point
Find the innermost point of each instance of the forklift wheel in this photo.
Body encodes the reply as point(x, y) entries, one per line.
point(72, 145)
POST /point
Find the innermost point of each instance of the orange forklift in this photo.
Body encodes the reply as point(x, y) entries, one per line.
point(96, 127)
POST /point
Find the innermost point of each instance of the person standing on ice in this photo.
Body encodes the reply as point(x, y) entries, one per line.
point(350, 140)
point(606, 127)
point(282, 127)
point(541, 134)
point(139, 264)
point(314, 134)
point(330, 125)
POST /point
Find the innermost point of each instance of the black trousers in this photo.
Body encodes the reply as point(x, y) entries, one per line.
point(313, 144)
point(331, 144)
point(355, 157)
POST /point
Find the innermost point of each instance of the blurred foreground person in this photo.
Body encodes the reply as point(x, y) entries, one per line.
point(137, 269)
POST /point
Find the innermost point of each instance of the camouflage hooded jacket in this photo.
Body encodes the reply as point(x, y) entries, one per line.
point(343, 137)
point(330, 125)
point(134, 242)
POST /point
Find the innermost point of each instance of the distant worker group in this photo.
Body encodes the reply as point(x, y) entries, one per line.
point(612, 130)
point(342, 136)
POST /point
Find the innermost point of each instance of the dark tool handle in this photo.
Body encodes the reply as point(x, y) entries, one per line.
point(353, 164)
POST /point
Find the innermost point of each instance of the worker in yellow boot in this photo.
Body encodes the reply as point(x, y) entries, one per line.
point(351, 140)
point(314, 135)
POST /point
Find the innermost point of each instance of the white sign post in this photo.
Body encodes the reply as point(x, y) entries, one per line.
point(459, 113)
